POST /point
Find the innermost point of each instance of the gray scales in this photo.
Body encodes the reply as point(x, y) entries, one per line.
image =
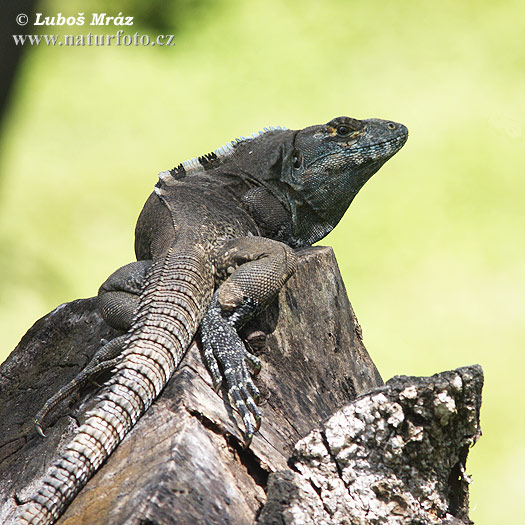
point(214, 244)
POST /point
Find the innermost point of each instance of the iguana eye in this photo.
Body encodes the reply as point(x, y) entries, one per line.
point(343, 130)
point(297, 159)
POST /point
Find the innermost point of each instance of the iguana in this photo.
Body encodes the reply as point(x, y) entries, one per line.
point(214, 244)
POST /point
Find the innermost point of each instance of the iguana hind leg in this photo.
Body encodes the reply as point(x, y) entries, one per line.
point(255, 268)
point(105, 358)
point(118, 299)
point(118, 296)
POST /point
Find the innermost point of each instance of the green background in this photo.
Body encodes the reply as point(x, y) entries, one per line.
point(432, 249)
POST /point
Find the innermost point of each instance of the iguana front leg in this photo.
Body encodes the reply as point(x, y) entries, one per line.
point(256, 268)
point(118, 300)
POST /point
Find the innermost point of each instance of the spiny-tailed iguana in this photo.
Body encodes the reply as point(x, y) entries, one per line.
point(214, 244)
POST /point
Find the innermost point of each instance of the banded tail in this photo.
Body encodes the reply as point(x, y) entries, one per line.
point(177, 291)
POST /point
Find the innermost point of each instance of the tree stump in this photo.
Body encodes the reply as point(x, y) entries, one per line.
point(394, 455)
point(184, 461)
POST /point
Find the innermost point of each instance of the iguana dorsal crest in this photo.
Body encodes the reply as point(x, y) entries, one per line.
point(198, 165)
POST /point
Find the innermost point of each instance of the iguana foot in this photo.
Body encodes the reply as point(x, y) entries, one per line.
point(104, 359)
point(225, 356)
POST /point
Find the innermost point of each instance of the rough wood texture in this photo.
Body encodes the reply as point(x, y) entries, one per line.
point(183, 462)
point(394, 455)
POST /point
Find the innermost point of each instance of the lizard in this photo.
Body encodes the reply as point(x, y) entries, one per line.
point(214, 243)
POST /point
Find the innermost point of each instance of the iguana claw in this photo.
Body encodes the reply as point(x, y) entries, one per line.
point(38, 428)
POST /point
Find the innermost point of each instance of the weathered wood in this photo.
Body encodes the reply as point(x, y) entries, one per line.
point(184, 461)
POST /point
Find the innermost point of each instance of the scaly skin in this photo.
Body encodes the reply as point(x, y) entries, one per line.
point(214, 245)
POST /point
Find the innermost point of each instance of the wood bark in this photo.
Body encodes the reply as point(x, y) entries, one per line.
point(184, 461)
point(394, 455)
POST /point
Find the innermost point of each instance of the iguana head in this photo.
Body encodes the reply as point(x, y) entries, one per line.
point(317, 171)
point(329, 164)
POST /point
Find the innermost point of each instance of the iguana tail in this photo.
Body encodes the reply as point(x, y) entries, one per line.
point(177, 291)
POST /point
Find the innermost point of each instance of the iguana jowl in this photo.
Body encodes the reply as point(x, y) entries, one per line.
point(214, 244)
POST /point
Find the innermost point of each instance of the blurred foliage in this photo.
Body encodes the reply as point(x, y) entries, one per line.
point(432, 250)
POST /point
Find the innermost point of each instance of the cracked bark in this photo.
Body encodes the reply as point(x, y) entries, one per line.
point(394, 455)
point(184, 461)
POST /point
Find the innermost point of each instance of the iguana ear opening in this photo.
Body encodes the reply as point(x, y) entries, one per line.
point(297, 159)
